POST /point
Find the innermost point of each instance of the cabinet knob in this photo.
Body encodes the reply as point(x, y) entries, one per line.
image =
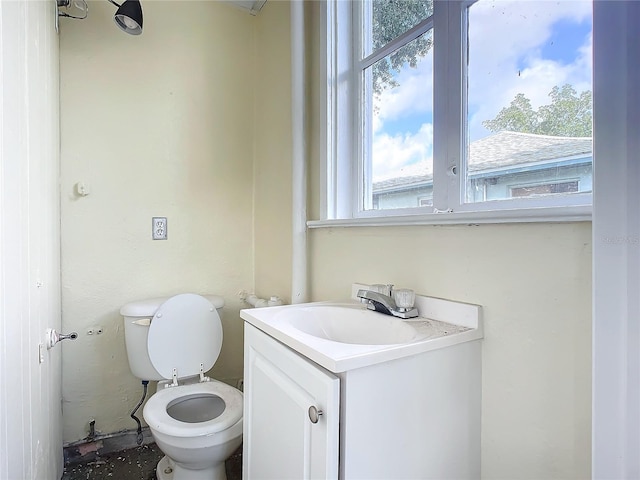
point(314, 414)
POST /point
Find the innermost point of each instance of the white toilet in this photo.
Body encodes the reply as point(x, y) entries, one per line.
point(195, 421)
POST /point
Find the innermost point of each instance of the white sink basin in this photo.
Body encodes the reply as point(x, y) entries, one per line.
point(350, 324)
point(345, 336)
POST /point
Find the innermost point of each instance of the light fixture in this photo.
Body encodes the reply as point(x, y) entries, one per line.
point(77, 4)
point(129, 16)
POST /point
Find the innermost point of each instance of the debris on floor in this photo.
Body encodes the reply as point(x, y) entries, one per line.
point(134, 464)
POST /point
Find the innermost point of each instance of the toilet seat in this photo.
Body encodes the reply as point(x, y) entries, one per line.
point(156, 415)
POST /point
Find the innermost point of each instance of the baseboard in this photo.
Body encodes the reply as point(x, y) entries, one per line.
point(90, 449)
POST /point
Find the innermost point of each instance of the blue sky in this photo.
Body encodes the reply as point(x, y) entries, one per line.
point(567, 36)
point(517, 46)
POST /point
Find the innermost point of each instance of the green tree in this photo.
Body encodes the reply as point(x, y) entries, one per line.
point(568, 115)
point(391, 18)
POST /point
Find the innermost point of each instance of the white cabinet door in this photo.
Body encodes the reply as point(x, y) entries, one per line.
point(280, 440)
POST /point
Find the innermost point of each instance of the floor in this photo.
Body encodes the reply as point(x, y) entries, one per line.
point(133, 464)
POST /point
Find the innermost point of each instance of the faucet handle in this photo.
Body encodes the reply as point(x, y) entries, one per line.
point(404, 298)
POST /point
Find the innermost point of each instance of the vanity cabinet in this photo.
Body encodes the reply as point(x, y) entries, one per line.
point(281, 440)
point(413, 417)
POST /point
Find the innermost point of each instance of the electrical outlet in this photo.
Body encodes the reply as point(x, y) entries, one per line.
point(159, 228)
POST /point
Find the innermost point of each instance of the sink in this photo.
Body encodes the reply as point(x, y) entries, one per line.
point(351, 324)
point(342, 336)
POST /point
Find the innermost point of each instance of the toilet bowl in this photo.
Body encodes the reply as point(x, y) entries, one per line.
point(195, 421)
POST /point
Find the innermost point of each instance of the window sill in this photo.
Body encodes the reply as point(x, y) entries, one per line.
point(531, 215)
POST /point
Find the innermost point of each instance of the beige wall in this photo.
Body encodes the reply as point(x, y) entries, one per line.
point(191, 140)
point(156, 125)
point(273, 152)
point(534, 283)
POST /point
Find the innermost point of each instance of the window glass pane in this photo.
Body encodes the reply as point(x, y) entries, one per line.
point(398, 128)
point(391, 18)
point(529, 99)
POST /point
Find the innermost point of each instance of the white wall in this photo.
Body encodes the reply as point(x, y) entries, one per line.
point(30, 414)
point(156, 125)
point(616, 242)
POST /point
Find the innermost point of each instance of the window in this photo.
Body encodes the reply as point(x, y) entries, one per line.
point(545, 189)
point(458, 108)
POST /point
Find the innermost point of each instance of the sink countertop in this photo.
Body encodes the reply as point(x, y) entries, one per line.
point(463, 324)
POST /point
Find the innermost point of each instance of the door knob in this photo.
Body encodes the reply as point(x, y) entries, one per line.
point(54, 337)
point(314, 414)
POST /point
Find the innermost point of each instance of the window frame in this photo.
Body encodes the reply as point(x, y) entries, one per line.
point(341, 156)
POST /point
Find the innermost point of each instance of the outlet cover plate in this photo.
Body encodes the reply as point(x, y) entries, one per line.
point(159, 228)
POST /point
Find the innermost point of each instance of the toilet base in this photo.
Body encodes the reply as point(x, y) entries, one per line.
point(167, 469)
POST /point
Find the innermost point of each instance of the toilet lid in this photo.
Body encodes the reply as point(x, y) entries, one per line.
point(184, 333)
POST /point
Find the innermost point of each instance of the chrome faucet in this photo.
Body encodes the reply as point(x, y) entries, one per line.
point(382, 303)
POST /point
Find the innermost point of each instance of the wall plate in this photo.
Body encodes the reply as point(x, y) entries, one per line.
point(159, 228)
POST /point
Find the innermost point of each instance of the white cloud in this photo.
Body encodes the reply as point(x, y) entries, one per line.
point(413, 95)
point(394, 155)
point(506, 55)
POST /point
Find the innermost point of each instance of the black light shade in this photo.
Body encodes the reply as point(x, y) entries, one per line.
point(129, 17)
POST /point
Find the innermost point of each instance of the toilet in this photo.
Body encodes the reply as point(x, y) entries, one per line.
point(196, 421)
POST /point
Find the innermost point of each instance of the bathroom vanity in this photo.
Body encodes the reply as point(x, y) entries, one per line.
point(338, 391)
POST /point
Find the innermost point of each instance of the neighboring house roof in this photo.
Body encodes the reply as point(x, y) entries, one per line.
point(501, 151)
point(506, 149)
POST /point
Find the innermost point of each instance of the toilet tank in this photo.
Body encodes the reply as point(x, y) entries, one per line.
point(137, 318)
